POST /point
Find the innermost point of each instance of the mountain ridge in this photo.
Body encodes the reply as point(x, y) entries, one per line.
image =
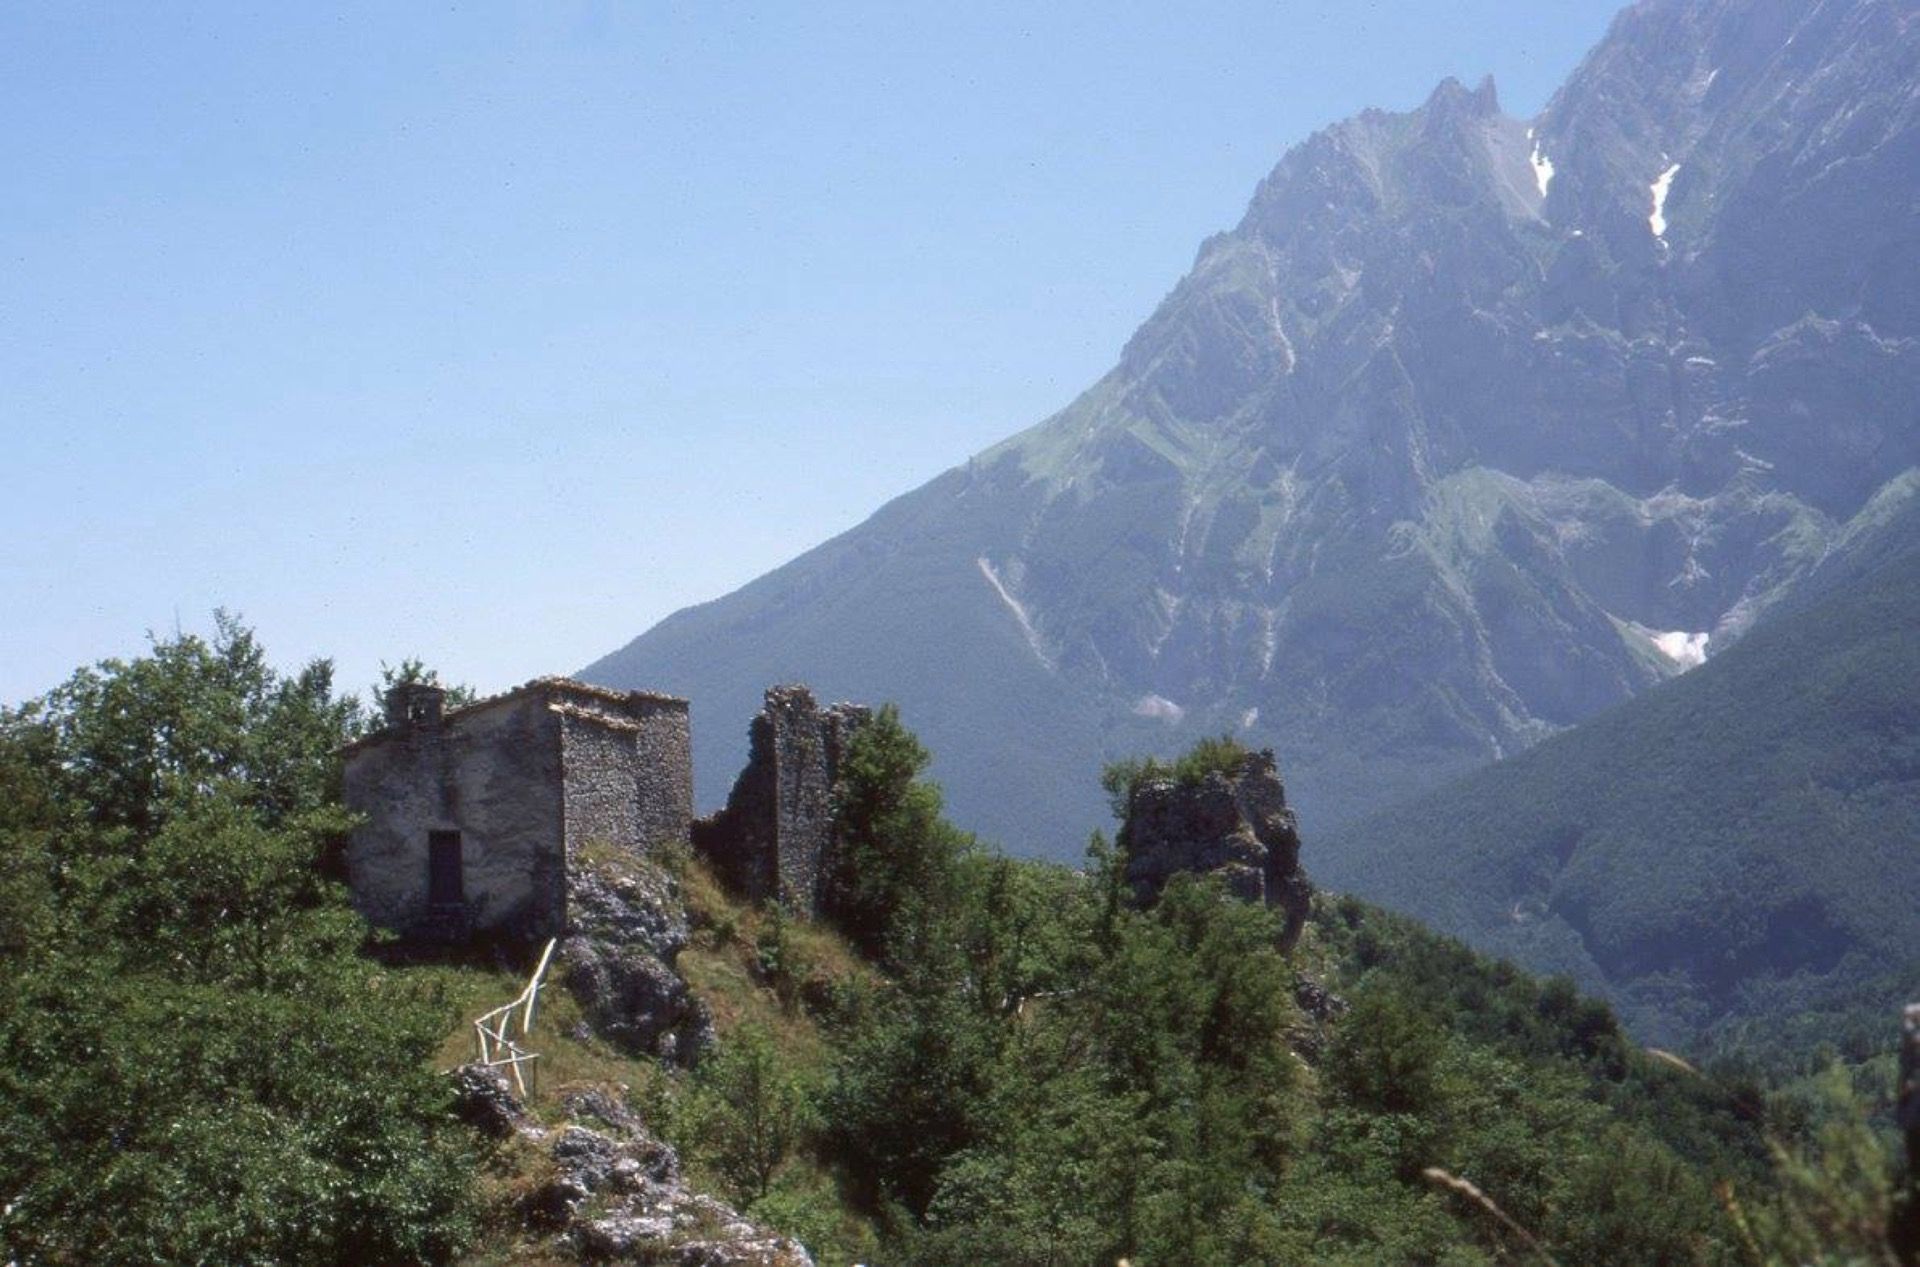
point(1426, 458)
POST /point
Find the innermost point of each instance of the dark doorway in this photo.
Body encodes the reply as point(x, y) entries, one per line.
point(445, 884)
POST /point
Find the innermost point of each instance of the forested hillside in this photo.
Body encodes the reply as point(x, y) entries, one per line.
point(197, 1063)
point(977, 1060)
point(1729, 858)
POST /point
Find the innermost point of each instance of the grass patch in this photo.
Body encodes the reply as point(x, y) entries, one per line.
point(751, 966)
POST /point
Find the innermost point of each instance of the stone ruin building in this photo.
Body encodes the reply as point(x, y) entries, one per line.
point(1234, 825)
point(473, 817)
point(475, 820)
point(774, 839)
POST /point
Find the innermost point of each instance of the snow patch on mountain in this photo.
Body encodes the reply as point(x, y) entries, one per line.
point(1542, 168)
point(1688, 650)
point(1658, 220)
point(1158, 706)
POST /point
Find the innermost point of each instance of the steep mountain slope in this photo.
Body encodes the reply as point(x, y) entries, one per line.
point(1469, 429)
point(1735, 846)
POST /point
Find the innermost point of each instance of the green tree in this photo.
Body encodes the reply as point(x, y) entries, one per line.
point(750, 1112)
point(895, 853)
point(1630, 1200)
point(195, 1063)
point(409, 672)
point(1387, 1057)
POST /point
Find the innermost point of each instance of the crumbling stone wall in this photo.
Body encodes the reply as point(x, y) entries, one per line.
point(775, 836)
point(1236, 826)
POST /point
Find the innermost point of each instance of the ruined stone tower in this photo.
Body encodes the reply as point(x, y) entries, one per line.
point(774, 839)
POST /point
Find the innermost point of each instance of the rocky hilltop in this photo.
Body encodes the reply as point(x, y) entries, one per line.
point(1471, 427)
point(1234, 824)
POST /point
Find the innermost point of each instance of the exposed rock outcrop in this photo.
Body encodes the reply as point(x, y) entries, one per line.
point(617, 1194)
point(626, 927)
point(1234, 825)
point(774, 839)
point(484, 1100)
point(620, 1189)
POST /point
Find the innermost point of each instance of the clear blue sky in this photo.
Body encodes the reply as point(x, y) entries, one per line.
point(494, 333)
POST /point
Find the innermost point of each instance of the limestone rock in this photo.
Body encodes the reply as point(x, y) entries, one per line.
point(618, 1193)
point(484, 1100)
point(1236, 826)
point(627, 925)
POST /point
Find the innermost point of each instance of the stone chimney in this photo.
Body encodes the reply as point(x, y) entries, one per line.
point(415, 706)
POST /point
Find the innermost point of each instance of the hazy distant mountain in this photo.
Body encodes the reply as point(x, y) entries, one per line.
point(1737, 846)
point(1470, 428)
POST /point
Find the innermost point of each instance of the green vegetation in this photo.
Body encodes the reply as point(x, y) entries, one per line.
point(986, 1061)
point(1222, 755)
point(1051, 1075)
point(1728, 857)
point(413, 670)
point(196, 1065)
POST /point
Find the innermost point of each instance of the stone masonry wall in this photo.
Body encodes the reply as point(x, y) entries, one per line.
point(663, 752)
point(495, 778)
point(600, 801)
point(629, 769)
point(775, 836)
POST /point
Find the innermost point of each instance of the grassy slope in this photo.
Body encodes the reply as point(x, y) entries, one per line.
point(1737, 844)
point(1528, 1080)
point(720, 964)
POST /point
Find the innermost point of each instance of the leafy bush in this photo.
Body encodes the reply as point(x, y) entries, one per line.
point(196, 1065)
point(1223, 755)
point(747, 1115)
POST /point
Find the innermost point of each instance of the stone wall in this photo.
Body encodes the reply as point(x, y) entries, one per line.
point(599, 798)
point(775, 836)
point(1236, 826)
point(528, 779)
point(492, 773)
point(663, 752)
point(628, 769)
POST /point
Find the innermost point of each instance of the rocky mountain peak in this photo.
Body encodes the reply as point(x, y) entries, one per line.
point(1451, 97)
point(1439, 449)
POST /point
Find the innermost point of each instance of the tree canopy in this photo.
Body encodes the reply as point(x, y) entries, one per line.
point(196, 1062)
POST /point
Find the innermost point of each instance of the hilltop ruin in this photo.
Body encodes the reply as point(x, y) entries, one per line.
point(477, 822)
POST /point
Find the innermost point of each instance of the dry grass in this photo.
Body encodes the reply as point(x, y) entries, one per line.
point(722, 964)
point(1471, 1192)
